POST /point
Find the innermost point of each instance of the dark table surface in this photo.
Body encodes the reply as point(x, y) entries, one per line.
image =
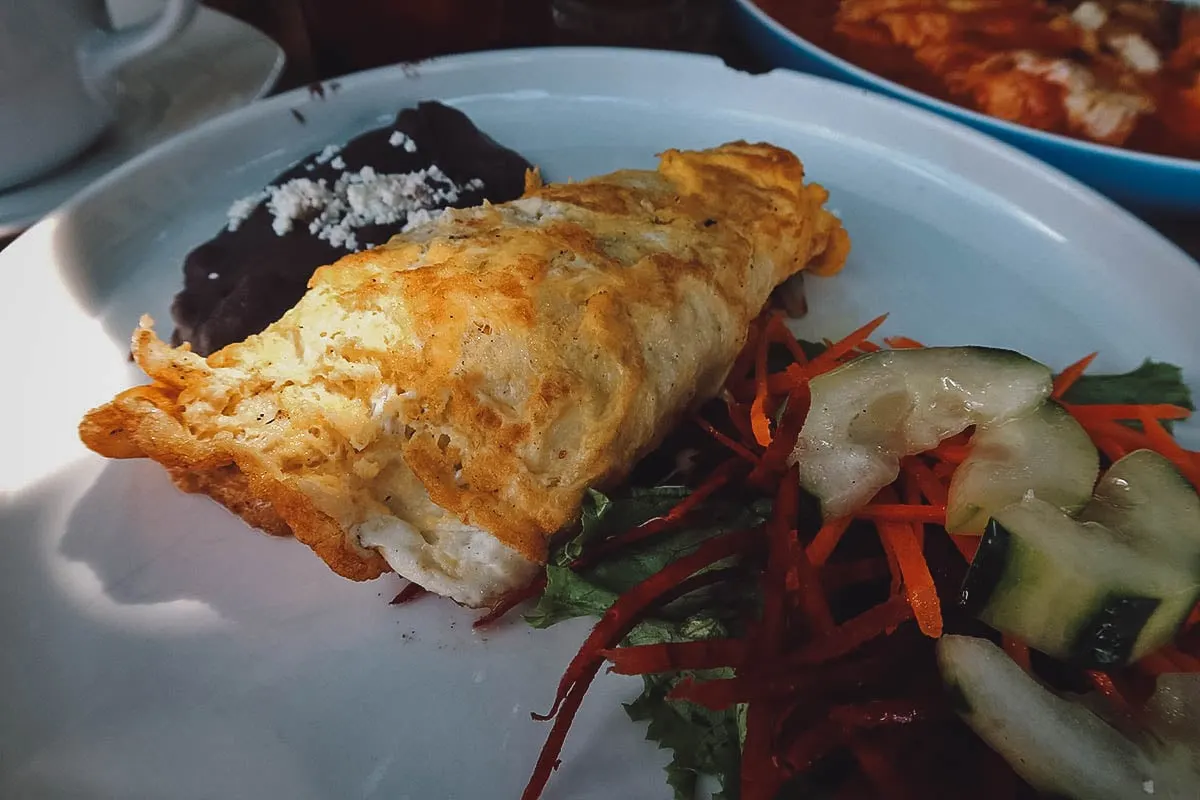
point(327, 38)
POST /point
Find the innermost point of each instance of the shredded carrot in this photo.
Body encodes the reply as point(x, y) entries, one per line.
point(1112, 450)
point(881, 620)
point(826, 540)
point(1157, 664)
point(1120, 411)
point(944, 470)
point(1166, 445)
point(511, 600)
point(804, 748)
point(967, 545)
point(918, 582)
point(744, 362)
point(1182, 661)
point(760, 423)
point(1116, 433)
point(672, 656)
point(841, 574)
point(790, 378)
point(1107, 687)
point(874, 760)
point(1067, 378)
point(547, 760)
point(902, 343)
point(804, 586)
point(735, 446)
point(932, 488)
point(775, 457)
point(1018, 651)
point(856, 787)
point(900, 512)
point(739, 417)
point(781, 333)
point(781, 580)
point(620, 618)
point(961, 439)
point(720, 476)
point(761, 778)
point(829, 359)
point(867, 346)
point(911, 494)
point(950, 453)
point(784, 677)
point(410, 592)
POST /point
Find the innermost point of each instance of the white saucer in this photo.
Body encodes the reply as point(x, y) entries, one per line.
point(217, 64)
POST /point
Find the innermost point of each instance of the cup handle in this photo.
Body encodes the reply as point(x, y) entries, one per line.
point(108, 50)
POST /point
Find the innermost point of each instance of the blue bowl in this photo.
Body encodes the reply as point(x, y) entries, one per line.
point(1141, 180)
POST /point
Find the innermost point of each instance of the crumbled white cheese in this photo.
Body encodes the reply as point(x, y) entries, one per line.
point(402, 139)
point(1090, 16)
point(1148, 787)
point(1137, 53)
point(356, 199)
point(327, 153)
point(241, 210)
point(297, 199)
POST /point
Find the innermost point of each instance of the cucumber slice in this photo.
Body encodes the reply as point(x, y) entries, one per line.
point(1046, 452)
point(1075, 590)
point(1145, 499)
point(867, 414)
point(1058, 746)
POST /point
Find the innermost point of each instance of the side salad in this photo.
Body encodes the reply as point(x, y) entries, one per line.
point(900, 571)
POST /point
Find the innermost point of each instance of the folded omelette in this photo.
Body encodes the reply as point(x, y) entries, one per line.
point(438, 406)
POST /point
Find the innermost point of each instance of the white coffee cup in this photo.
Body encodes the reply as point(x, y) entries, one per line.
point(57, 63)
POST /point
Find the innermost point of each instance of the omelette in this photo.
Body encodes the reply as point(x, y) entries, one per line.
point(438, 406)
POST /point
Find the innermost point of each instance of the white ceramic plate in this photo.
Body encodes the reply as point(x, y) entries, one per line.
point(217, 64)
point(153, 646)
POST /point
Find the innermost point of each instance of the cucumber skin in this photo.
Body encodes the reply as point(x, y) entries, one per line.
point(1116, 631)
point(1111, 635)
point(986, 570)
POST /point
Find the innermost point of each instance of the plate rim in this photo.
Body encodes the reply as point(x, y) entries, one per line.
point(929, 102)
point(285, 102)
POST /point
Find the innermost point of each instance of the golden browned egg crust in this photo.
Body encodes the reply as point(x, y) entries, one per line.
point(480, 372)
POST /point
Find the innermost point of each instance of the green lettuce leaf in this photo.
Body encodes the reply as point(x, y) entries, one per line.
point(601, 517)
point(1152, 382)
point(702, 742)
point(570, 594)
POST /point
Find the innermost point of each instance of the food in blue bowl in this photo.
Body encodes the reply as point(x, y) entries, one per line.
point(1106, 90)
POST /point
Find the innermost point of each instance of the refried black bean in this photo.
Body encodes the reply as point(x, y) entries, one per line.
point(242, 280)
